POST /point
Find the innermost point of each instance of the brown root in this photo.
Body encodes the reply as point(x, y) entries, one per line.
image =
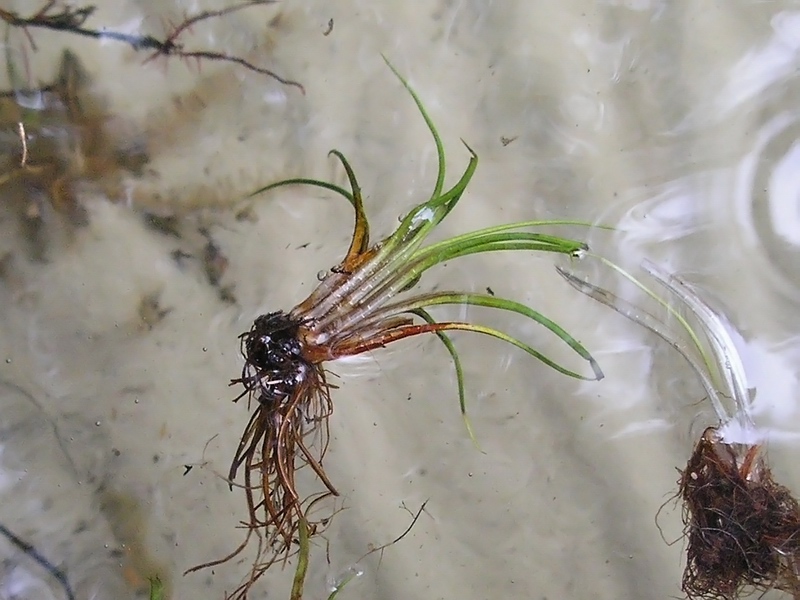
point(743, 529)
point(287, 432)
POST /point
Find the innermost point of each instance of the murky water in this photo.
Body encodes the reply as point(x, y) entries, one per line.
point(676, 122)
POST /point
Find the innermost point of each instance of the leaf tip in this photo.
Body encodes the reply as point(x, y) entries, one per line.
point(598, 372)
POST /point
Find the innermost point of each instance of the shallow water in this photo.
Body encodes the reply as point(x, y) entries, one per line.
point(675, 122)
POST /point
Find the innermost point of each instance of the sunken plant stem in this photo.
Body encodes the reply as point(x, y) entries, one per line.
point(29, 550)
point(302, 560)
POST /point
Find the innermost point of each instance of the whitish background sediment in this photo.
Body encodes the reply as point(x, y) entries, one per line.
point(673, 121)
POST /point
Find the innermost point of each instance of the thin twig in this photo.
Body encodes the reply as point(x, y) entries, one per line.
point(72, 20)
point(33, 553)
point(408, 529)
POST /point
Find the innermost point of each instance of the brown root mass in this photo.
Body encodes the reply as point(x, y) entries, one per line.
point(743, 529)
point(287, 432)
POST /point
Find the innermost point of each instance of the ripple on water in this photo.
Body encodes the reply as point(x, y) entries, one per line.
point(768, 199)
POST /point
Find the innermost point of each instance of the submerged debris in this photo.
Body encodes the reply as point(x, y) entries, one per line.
point(151, 313)
point(168, 225)
point(30, 551)
point(55, 15)
point(215, 264)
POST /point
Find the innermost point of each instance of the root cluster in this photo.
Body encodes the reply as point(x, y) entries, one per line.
point(287, 432)
point(743, 529)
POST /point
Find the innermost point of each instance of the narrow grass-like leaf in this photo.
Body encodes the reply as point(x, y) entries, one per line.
point(460, 298)
point(456, 326)
point(421, 220)
point(722, 374)
point(462, 397)
point(360, 241)
point(437, 189)
point(488, 232)
point(671, 309)
point(304, 181)
point(431, 256)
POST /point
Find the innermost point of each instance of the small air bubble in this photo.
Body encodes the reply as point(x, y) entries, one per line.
point(424, 215)
point(8, 361)
point(205, 349)
point(97, 423)
point(321, 275)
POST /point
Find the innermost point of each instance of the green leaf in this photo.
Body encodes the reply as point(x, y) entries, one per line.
point(156, 588)
point(448, 343)
point(303, 181)
point(444, 298)
point(437, 189)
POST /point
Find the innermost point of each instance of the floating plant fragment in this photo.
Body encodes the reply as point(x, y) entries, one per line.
point(364, 303)
point(742, 528)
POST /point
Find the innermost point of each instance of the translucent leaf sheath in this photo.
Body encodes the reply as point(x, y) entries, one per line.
point(728, 361)
point(721, 373)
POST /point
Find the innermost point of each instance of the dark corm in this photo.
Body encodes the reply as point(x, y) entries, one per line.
point(273, 358)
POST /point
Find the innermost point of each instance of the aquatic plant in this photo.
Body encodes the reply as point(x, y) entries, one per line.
point(742, 528)
point(363, 303)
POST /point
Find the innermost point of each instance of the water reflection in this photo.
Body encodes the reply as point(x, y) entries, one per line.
point(763, 70)
point(768, 200)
